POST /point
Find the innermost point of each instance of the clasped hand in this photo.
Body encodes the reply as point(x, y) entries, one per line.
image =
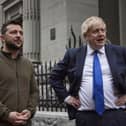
point(16, 118)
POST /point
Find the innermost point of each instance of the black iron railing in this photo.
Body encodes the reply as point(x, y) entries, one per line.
point(48, 100)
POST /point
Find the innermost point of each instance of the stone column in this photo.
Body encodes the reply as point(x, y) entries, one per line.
point(31, 25)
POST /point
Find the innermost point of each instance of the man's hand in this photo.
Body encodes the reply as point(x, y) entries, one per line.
point(121, 100)
point(26, 114)
point(75, 102)
point(16, 118)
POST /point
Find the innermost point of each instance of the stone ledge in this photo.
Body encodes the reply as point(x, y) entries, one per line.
point(44, 118)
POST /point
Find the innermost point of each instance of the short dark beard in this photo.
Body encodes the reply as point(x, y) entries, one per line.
point(13, 47)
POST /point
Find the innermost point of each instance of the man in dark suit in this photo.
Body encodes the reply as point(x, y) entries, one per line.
point(78, 66)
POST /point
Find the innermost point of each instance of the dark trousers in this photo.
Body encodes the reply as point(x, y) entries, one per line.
point(109, 118)
point(5, 123)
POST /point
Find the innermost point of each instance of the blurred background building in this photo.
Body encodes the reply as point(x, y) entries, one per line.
point(49, 25)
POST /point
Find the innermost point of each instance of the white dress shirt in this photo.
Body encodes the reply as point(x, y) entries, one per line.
point(86, 88)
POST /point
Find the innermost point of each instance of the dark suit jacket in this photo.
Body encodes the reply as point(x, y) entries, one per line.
point(72, 67)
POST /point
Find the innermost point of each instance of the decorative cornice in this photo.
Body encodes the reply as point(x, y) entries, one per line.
point(2, 1)
point(7, 5)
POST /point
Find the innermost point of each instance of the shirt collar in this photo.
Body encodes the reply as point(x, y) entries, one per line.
point(91, 51)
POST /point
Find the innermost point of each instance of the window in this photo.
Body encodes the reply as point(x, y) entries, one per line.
point(52, 34)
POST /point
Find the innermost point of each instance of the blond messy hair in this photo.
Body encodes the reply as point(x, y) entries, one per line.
point(89, 23)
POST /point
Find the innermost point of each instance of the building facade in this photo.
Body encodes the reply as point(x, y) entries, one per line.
point(47, 23)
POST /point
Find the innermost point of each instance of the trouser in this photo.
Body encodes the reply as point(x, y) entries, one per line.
point(6, 123)
point(109, 118)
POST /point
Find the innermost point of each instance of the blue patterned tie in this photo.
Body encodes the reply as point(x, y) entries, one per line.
point(98, 85)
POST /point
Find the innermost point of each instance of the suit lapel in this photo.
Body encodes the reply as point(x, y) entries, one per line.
point(111, 59)
point(80, 59)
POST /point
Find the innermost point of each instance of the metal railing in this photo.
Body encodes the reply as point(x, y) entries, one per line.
point(48, 100)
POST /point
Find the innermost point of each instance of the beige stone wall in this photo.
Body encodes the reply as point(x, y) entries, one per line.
point(53, 15)
point(61, 14)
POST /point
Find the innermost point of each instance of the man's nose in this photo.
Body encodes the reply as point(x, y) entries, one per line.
point(18, 34)
point(101, 33)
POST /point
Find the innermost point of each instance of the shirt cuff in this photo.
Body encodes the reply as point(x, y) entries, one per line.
point(67, 98)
